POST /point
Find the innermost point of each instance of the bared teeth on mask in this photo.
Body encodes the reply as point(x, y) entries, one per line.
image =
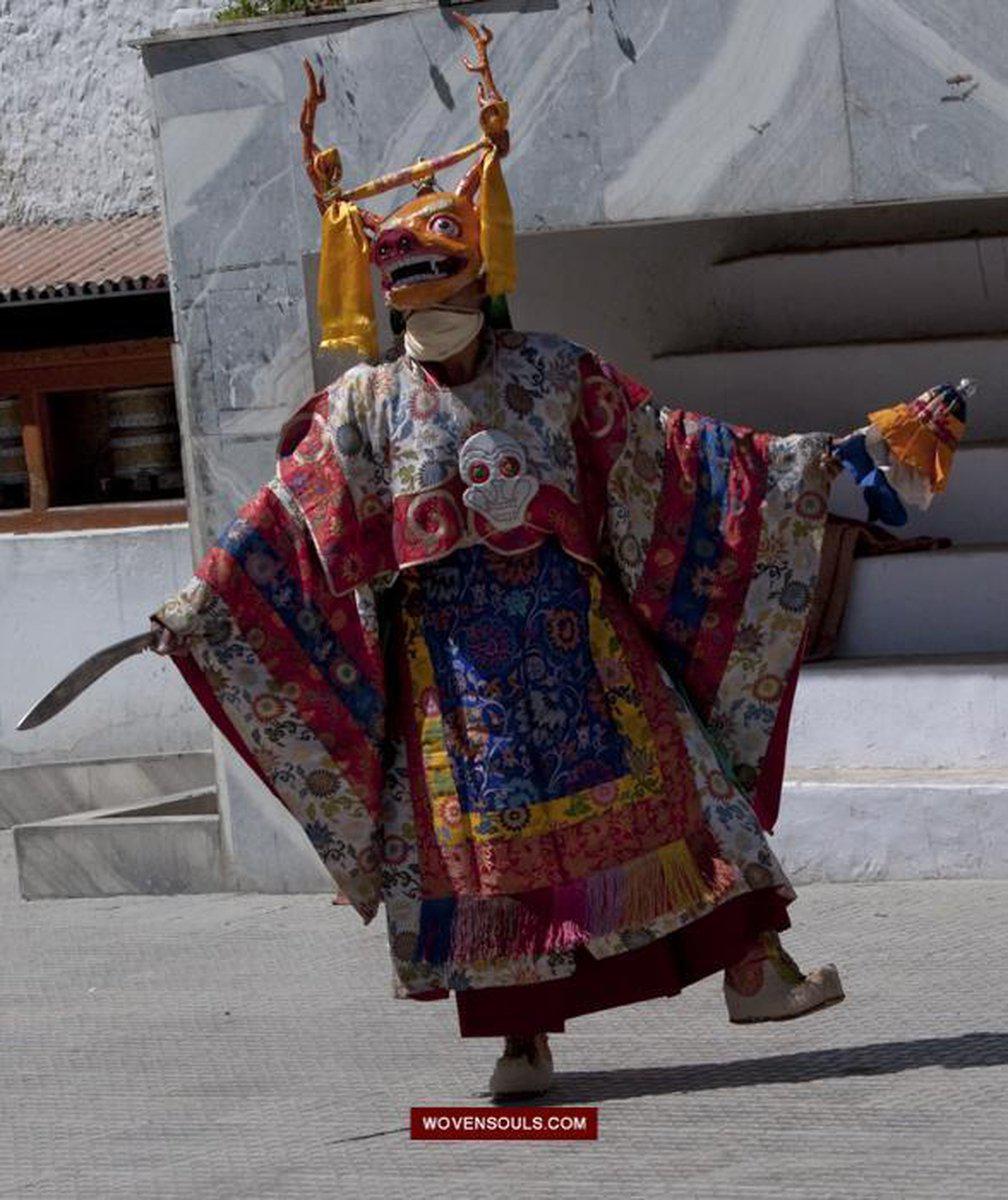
point(417, 268)
point(414, 268)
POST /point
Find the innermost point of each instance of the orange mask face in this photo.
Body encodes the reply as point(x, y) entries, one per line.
point(427, 250)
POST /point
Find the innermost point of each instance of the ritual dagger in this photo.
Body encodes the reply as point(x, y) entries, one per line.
point(80, 678)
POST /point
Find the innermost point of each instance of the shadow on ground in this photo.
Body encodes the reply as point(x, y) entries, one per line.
point(877, 1058)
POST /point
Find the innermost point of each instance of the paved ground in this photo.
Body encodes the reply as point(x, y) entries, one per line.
point(225, 1048)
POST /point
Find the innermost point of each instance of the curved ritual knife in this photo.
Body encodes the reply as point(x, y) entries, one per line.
point(81, 678)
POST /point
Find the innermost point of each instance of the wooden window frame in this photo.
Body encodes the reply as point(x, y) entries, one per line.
point(105, 366)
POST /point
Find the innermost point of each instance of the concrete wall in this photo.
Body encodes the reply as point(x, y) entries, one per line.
point(63, 596)
point(75, 137)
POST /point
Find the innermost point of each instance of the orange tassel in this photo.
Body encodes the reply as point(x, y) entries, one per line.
point(922, 435)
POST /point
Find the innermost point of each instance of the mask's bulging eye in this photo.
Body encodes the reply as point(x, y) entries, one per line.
point(479, 472)
point(510, 466)
point(445, 226)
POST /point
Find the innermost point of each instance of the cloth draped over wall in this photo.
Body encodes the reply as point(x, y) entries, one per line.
point(845, 541)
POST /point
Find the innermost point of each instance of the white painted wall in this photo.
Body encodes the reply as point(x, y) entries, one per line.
point(75, 143)
point(75, 137)
point(64, 595)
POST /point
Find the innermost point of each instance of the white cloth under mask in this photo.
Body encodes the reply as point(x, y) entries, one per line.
point(434, 334)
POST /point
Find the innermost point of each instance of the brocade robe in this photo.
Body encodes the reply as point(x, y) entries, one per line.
point(538, 712)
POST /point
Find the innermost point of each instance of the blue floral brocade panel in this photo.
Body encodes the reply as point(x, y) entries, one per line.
point(524, 710)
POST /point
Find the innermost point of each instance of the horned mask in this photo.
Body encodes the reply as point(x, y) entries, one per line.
point(427, 249)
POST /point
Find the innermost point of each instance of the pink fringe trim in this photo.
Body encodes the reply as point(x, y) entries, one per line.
point(674, 878)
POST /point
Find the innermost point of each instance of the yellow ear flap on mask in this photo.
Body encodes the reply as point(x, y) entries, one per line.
point(345, 304)
point(497, 238)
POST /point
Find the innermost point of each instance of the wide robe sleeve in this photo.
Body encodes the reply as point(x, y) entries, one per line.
point(289, 666)
point(715, 533)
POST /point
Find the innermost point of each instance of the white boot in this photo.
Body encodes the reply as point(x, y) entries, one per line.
point(773, 988)
point(524, 1069)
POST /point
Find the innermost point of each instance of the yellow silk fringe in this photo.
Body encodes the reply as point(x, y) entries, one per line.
point(345, 304)
point(497, 238)
point(666, 880)
point(914, 445)
point(686, 887)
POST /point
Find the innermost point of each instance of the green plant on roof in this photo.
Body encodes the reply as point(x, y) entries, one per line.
point(246, 10)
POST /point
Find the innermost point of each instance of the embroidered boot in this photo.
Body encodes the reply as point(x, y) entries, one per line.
point(767, 985)
point(525, 1069)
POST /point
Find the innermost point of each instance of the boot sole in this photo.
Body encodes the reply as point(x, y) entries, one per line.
point(805, 1012)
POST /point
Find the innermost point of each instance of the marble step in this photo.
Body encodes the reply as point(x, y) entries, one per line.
point(973, 509)
point(45, 790)
point(834, 386)
point(836, 824)
point(170, 845)
point(843, 293)
point(915, 714)
point(864, 825)
point(935, 602)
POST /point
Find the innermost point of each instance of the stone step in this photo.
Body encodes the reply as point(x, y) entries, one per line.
point(45, 790)
point(864, 825)
point(949, 601)
point(974, 507)
point(170, 845)
point(921, 714)
point(910, 290)
point(835, 386)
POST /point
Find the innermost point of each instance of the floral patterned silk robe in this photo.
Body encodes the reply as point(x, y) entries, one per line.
point(534, 721)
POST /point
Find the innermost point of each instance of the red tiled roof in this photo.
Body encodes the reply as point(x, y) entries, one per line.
point(92, 258)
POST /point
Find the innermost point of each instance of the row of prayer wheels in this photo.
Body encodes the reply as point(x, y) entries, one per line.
point(139, 454)
point(144, 440)
point(13, 468)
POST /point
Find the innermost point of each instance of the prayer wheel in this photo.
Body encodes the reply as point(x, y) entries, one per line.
point(13, 468)
point(144, 440)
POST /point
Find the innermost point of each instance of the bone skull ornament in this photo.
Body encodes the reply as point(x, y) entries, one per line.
point(494, 467)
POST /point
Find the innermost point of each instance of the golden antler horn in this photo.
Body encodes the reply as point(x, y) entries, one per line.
point(482, 37)
point(324, 168)
point(493, 106)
